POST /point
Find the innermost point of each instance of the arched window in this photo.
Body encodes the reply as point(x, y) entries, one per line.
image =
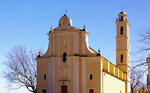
point(121, 18)
point(44, 77)
point(121, 58)
point(64, 57)
point(121, 30)
point(91, 77)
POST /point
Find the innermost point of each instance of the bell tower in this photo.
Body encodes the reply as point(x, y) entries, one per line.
point(123, 46)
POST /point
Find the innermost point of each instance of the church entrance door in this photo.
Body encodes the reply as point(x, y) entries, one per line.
point(64, 89)
point(91, 91)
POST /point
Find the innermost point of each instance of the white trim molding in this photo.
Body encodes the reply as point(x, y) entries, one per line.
point(83, 44)
point(75, 76)
point(69, 68)
point(49, 76)
point(53, 44)
point(50, 44)
point(59, 68)
point(68, 44)
point(53, 76)
point(83, 76)
point(76, 43)
point(59, 54)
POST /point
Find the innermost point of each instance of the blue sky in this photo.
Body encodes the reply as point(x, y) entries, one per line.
point(27, 22)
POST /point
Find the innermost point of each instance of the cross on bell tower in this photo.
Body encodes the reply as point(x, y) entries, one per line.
point(66, 11)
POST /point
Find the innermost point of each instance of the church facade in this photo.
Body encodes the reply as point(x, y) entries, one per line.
point(70, 65)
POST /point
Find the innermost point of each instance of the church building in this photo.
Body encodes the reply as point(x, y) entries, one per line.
point(148, 76)
point(70, 65)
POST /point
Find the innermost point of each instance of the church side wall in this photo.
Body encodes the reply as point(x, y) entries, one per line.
point(112, 84)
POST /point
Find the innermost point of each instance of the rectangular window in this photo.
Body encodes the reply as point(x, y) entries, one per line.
point(121, 18)
point(121, 30)
point(121, 58)
point(44, 91)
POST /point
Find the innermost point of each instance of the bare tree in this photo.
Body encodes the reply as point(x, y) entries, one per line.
point(141, 63)
point(21, 68)
point(136, 80)
point(145, 40)
point(143, 50)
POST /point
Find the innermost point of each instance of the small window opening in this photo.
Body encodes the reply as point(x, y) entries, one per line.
point(121, 58)
point(65, 57)
point(121, 30)
point(121, 18)
point(44, 77)
point(147, 80)
point(44, 91)
point(91, 76)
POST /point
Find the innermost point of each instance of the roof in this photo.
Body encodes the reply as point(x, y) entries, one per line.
point(65, 20)
point(122, 12)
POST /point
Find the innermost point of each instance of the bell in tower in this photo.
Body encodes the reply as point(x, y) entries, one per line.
point(122, 16)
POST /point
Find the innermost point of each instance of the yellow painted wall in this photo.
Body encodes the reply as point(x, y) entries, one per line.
point(93, 67)
point(113, 70)
point(42, 68)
